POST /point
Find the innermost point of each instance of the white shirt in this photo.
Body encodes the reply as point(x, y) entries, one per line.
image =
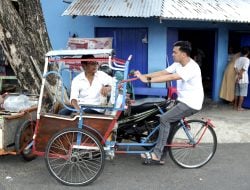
point(242, 63)
point(83, 92)
point(189, 88)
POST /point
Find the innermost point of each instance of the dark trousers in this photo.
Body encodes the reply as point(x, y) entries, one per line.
point(66, 111)
point(176, 113)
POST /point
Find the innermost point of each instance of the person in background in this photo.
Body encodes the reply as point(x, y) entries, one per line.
point(227, 89)
point(241, 80)
point(230, 54)
point(190, 94)
point(88, 87)
point(198, 56)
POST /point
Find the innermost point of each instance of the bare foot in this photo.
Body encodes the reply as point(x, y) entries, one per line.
point(241, 109)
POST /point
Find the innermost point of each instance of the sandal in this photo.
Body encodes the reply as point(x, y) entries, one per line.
point(162, 162)
point(148, 159)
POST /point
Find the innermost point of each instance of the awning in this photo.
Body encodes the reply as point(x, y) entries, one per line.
point(197, 10)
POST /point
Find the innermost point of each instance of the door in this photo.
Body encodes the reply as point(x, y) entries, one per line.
point(129, 41)
point(172, 37)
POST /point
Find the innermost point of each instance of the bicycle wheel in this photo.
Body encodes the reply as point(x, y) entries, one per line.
point(193, 155)
point(75, 157)
point(23, 137)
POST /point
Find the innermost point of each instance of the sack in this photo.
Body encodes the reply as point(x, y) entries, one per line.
point(16, 103)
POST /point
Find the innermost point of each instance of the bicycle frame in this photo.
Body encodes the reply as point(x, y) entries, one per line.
point(143, 143)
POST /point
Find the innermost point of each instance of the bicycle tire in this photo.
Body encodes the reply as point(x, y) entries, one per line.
point(200, 153)
point(73, 164)
point(23, 137)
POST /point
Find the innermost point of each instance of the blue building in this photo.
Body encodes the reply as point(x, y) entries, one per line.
point(147, 30)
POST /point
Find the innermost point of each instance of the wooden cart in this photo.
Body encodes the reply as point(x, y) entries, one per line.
point(77, 137)
point(16, 131)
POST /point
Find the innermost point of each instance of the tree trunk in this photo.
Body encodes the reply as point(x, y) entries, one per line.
point(24, 40)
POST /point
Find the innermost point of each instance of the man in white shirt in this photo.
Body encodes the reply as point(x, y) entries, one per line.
point(88, 87)
point(190, 93)
point(241, 82)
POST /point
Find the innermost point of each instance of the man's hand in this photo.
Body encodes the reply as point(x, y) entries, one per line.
point(138, 74)
point(1, 99)
point(240, 76)
point(75, 104)
point(105, 90)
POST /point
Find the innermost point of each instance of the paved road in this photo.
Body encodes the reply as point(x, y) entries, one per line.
point(228, 170)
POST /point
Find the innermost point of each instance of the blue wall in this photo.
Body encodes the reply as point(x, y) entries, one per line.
point(60, 28)
point(220, 60)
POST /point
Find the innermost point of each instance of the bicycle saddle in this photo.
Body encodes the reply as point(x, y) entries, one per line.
point(145, 104)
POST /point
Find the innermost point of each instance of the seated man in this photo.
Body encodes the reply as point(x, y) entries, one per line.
point(88, 87)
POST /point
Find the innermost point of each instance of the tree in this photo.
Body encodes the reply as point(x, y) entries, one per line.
point(24, 40)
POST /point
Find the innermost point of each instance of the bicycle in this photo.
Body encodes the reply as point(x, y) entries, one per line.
point(192, 144)
point(75, 148)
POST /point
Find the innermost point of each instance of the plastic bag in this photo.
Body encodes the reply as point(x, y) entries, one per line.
point(16, 103)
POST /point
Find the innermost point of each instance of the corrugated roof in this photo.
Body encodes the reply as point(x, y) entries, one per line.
point(115, 8)
point(207, 10)
point(199, 10)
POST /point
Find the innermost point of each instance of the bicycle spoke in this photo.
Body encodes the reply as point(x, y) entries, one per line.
point(75, 164)
point(197, 155)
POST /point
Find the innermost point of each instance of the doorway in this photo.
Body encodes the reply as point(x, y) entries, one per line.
point(203, 45)
point(238, 39)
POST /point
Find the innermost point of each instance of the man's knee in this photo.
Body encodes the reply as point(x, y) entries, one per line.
point(64, 111)
point(168, 119)
point(162, 120)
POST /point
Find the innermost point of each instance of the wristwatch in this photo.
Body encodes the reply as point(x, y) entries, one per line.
point(149, 81)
